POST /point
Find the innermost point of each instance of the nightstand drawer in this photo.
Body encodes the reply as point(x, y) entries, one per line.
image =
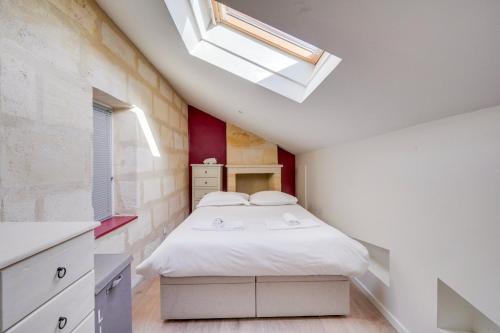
point(206, 172)
point(30, 283)
point(205, 179)
point(206, 182)
point(62, 313)
point(199, 193)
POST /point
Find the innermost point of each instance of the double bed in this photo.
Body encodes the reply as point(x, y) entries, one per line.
point(254, 271)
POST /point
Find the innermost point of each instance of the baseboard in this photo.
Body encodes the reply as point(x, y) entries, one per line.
point(385, 312)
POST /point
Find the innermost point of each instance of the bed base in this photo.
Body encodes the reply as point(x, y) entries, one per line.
point(250, 296)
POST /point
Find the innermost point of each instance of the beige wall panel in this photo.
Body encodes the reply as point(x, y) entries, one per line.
point(253, 182)
point(54, 55)
point(246, 148)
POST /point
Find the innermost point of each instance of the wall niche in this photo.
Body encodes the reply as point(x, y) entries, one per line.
point(456, 315)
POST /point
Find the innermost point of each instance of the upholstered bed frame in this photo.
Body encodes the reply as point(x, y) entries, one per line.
point(253, 296)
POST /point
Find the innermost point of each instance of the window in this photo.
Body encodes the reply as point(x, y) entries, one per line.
point(272, 36)
point(102, 164)
point(250, 49)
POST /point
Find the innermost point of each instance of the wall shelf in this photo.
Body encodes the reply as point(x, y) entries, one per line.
point(112, 224)
point(379, 262)
point(456, 315)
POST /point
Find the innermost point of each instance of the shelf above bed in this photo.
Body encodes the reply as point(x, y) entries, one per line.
point(251, 178)
point(254, 168)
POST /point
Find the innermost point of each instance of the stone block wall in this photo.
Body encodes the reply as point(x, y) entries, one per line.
point(245, 148)
point(52, 54)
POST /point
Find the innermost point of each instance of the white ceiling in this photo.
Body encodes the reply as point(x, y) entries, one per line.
point(404, 63)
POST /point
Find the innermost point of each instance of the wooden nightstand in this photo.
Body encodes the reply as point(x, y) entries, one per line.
point(206, 178)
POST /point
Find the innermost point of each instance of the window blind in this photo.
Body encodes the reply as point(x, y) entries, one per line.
point(102, 195)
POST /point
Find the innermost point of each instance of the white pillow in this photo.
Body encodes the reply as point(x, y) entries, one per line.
point(224, 199)
point(272, 198)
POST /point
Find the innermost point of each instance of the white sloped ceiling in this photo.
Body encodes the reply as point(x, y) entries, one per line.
point(404, 63)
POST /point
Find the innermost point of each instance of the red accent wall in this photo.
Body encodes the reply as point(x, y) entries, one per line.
point(207, 138)
point(288, 171)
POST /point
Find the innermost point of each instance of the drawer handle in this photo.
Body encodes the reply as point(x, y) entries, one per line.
point(114, 284)
point(62, 322)
point(61, 272)
point(205, 171)
point(206, 182)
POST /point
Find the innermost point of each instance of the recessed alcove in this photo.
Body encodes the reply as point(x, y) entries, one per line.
point(253, 178)
point(457, 315)
point(379, 262)
point(253, 182)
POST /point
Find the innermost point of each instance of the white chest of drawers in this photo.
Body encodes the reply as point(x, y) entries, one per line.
point(46, 277)
point(206, 178)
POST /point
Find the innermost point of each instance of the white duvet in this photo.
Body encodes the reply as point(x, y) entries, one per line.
point(255, 250)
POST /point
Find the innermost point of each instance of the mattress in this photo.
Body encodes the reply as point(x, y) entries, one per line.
point(255, 250)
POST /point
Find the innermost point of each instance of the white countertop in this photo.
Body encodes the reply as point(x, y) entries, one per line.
point(20, 240)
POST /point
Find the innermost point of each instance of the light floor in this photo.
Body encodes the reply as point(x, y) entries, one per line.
point(364, 317)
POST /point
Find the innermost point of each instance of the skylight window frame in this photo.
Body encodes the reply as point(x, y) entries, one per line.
point(245, 56)
point(265, 33)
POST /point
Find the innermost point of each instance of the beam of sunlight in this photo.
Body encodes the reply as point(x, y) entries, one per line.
point(143, 122)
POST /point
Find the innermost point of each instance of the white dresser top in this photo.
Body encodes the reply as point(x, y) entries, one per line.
point(20, 240)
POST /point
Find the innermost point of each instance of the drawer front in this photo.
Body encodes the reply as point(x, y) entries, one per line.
point(319, 298)
point(74, 304)
point(87, 325)
point(206, 172)
point(28, 284)
point(207, 182)
point(233, 300)
point(199, 193)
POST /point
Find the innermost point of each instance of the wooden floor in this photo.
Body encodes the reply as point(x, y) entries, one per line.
point(364, 317)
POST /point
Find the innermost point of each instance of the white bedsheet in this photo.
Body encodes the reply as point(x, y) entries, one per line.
point(255, 250)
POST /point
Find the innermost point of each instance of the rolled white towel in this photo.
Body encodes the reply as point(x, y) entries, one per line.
point(280, 224)
point(290, 219)
point(219, 224)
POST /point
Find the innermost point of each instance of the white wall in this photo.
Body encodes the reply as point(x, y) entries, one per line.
point(431, 195)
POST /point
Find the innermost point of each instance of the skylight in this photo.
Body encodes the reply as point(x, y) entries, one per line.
point(250, 49)
point(266, 33)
